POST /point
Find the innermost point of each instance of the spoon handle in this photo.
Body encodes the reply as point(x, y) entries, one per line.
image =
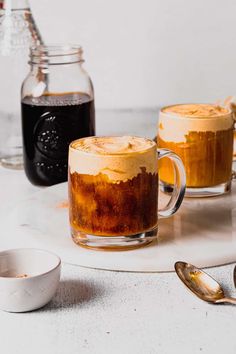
point(229, 300)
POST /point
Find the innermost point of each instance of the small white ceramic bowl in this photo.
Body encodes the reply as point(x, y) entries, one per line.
point(28, 279)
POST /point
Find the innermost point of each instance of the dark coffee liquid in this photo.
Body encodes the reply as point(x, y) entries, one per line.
point(49, 124)
point(100, 207)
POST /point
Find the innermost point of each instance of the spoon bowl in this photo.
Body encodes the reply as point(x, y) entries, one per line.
point(201, 284)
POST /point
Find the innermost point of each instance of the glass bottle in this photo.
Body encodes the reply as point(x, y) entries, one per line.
point(17, 33)
point(57, 108)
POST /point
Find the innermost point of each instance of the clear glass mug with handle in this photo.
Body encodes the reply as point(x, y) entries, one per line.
point(113, 191)
point(202, 135)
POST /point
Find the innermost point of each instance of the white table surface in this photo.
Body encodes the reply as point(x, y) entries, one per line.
point(98, 311)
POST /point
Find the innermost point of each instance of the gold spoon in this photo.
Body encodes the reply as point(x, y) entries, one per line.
point(201, 284)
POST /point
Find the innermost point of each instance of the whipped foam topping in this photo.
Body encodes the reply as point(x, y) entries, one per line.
point(176, 122)
point(120, 158)
point(116, 145)
point(196, 110)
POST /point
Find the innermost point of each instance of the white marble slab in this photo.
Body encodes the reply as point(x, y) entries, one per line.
point(203, 232)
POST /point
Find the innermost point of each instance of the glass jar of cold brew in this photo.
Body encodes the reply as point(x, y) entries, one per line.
point(57, 108)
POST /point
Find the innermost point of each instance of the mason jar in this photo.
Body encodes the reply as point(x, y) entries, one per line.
point(57, 107)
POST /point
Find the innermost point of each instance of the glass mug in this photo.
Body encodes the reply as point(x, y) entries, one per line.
point(202, 135)
point(113, 191)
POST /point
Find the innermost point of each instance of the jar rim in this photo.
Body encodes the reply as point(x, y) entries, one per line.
point(55, 54)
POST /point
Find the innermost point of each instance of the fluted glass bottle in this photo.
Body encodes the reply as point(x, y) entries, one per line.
point(17, 33)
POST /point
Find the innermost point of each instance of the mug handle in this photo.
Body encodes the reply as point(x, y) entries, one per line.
point(179, 186)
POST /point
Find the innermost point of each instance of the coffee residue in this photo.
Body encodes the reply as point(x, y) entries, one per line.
point(63, 205)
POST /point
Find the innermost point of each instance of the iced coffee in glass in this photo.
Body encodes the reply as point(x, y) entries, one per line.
point(113, 191)
point(202, 135)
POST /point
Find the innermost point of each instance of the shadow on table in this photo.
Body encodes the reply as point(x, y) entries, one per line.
point(72, 293)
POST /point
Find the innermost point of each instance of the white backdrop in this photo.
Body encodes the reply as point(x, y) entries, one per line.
point(146, 53)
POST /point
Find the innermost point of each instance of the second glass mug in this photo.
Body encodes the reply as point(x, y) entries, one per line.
point(113, 191)
point(202, 135)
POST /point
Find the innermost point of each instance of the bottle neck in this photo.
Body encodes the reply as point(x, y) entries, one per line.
point(9, 5)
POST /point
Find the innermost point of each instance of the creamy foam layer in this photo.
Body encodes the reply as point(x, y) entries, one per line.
point(176, 122)
point(113, 145)
point(120, 158)
point(196, 110)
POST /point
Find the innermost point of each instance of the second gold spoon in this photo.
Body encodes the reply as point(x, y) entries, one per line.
point(201, 284)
